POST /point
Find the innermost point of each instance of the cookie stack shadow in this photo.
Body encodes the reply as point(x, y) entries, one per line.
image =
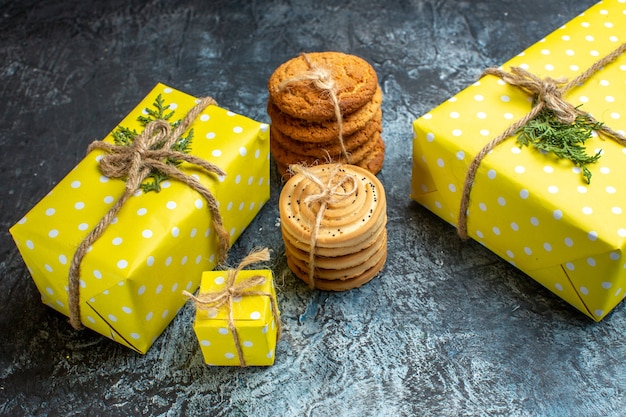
point(347, 246)
point(305, 128)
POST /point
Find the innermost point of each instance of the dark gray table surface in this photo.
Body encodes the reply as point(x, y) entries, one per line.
point(447, 329)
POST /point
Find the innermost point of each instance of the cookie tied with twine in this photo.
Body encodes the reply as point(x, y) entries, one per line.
point(149, 151)
point(302, 86)
point(326, 107)
point(235, 289)
point(548, 95)
point(333, 223)
point(322, 80)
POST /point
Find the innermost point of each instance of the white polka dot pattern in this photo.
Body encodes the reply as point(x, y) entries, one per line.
point(157, 245)
point(532, 210)
point(254, 321)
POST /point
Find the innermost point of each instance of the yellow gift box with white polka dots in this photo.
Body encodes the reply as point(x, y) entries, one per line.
point(160, 242)
point(253, 319)
point(534, 210)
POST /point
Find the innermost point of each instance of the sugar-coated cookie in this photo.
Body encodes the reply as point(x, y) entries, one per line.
point(310, 128)
point(354, 81)
point(288, 157)
point(375, 159)
point(332, 147)
point(326, 130)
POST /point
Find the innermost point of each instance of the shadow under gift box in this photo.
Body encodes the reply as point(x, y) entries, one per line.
point(530, 208)
point(160, 242)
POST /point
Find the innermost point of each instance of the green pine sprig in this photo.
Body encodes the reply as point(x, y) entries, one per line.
point(125, 137)
point(546, 133)
point(158, 113)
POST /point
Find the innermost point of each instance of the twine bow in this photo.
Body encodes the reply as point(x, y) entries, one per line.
point(212, 301)
point(135, 162)
point(548, 94)
point(322, 79)
point(330, 193)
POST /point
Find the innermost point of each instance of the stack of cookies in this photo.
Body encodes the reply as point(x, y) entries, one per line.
point(310, 127)
point(333, 222)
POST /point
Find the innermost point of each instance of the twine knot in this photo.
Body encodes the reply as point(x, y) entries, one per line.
point(330, 191)
point(122, 161)
point(212, 301)
point(547, 91)
point(320, 77)
point(333, 191)
point(149, 151)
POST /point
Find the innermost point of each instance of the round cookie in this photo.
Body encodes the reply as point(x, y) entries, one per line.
point(357, 245)
point(355, 83)
point(326, 130)
point(374, 161)
point(344, 222)
point(350, 244)
point(338, 268)
point(351, 260)
point(287, 157)
point(332, 147)
point(283, 170)
point(367, 149)
point(339, 285)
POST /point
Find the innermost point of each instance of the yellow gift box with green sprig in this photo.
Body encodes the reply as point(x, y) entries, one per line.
point(561, 221)
point(164, 236)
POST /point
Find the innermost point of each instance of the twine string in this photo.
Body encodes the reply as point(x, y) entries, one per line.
point(332, 191)
point(548, 93)
point(213, 301)
point(322, 79)
point(135, 162)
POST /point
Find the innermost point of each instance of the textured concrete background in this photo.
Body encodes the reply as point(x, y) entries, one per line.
point(447, 329)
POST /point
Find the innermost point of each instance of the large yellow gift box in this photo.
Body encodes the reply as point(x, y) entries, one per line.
point(237, 319)
point(531, 208)
point(158, 243)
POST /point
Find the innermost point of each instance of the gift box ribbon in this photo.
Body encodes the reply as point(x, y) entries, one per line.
point(135, 162)
point(232, 290)
point(548, 95)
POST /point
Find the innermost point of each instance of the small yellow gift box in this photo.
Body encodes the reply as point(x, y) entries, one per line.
point(531, 208)
point(237, 318)
point(157, 243)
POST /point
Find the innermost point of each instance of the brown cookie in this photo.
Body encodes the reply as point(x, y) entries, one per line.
point(287, 157)
point(326, 130)
point(374, 163)
point(332, 147)
point(363, 152)
point(354, 84)
point(283, 170)
point(374, 160)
